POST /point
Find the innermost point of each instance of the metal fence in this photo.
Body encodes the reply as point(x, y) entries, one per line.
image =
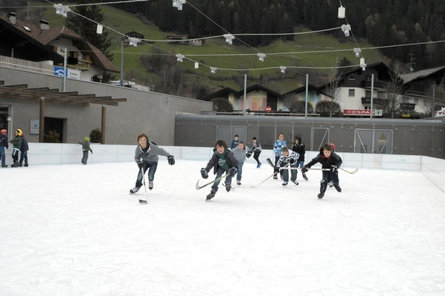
point(379, 136)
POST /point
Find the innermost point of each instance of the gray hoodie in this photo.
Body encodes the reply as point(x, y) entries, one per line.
point(240, 155)
point(151, 155)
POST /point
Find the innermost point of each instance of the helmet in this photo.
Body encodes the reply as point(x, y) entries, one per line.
point(19, 132)
point(3, 131)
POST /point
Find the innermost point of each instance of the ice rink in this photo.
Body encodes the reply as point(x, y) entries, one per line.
point(75, 230)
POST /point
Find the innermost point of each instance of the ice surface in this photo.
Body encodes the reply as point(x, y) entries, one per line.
point(76, 230)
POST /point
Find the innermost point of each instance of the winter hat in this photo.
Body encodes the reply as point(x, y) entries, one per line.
point(86, 139)
point(19, 132)
point(3, 131)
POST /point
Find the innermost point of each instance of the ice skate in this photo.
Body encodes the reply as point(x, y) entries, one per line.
point(150, 185)
point(134, 189)
point(284, 183)
point(211, 195)
point(337, 187)
point(320, 195)
point(295, 182)
point(305, 177)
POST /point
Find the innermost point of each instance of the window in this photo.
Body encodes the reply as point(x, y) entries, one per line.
point(352, 92)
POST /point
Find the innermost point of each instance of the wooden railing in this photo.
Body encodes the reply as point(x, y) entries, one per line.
point(39, 67)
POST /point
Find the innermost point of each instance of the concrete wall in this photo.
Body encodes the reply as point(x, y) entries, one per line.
point(148, 112)
point(43, 153)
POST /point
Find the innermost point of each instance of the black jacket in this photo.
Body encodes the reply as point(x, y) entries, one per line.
point(300, 149)
point(213, 162)
point(25, 146)
point(4, 141)
point(326, 163)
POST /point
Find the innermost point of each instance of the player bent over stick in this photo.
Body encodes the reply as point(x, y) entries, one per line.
point(223, 162)
point(330, 162)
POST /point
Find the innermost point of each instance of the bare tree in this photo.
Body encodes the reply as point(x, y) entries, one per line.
point(333, 91)
point(394, 94)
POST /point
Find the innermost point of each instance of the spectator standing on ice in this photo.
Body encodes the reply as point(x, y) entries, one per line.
point(3, 146)
point(86, 148)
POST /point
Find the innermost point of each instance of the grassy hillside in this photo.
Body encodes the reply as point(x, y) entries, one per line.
point(125, 22)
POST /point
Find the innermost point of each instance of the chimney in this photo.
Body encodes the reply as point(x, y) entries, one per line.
point(44, 25)
point(12, 17)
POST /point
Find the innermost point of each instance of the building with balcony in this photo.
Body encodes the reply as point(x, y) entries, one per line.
point(39, 48)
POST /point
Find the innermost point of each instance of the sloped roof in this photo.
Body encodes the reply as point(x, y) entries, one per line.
point(44, 37)
point(302, 89)
point(410, 77)
point(223, 92)
point(29, 32)
point(259, 87)
point(50, 35)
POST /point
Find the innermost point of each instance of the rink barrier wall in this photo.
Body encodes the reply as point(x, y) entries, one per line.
point(54, 153)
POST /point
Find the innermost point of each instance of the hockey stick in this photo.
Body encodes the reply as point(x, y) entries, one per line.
point(349, 172)
point(274, 173)
point(143, 201)
point(211, 182)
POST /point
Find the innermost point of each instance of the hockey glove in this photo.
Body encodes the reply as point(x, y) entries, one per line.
point(233, 172)
point(171, 159)
point(291, 161)
point(333, 168)
point(248, 154)
point(140, 165)
point(204, 173)
point(304, 169)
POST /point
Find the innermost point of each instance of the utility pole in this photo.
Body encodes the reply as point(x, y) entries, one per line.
point(306, 96)
point(122, 62)
point(245, 94)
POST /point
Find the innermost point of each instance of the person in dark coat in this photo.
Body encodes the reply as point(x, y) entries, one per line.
point(86, 148)
point(17, 145)
point(301, 150)
point(3, 146)
point(330, 162)
point(235, 142)
point(24, 152)
point(256, 150)
point(222, 161)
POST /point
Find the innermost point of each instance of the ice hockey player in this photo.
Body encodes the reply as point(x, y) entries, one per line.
point(240, 154)
point(86, 148)
point(256, 150)
point(301, 150)
point(330, 162)
point(222, 162)
point(278, 145)
point(235, 142)
point(17, 145)
point(286, 160)
point(3, 145)
point(146, 157)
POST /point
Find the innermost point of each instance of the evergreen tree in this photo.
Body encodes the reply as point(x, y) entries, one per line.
point(86, 28)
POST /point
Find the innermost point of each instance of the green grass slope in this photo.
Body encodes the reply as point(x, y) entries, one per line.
point(134, 69)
